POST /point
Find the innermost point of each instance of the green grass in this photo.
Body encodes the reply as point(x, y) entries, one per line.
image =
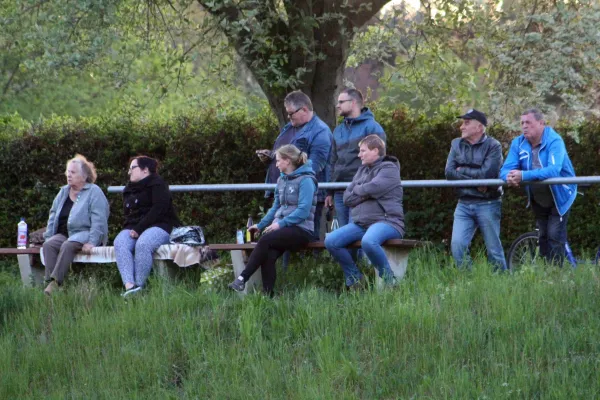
point(442, 333)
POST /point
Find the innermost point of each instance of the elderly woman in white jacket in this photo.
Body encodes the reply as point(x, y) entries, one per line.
point(78, 221)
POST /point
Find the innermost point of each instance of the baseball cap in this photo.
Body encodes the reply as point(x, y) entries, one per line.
point(476, 115)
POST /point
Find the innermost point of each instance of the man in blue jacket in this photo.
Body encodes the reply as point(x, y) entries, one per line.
point(311, 135)
point(538, 154)
point(358, 123)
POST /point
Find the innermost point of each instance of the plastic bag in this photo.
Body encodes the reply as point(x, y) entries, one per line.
point(190, 235)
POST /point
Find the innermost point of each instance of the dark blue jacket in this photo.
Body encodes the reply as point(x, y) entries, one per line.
point(344, 160)
point(315, 139)
point(555, 163)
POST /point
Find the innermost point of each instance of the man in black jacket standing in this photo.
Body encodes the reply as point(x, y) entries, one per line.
point(475, 155)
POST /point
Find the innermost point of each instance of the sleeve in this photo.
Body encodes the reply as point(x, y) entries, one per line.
point(50, 228)
point(387, 178)
point(305, 201)
point(450, 171)
point(319, 150)
point(268, 219)
point(332, 160)
point(99, 211)
point(512, 160)
point(490, 167)
point(161, 200)
point(556, 157)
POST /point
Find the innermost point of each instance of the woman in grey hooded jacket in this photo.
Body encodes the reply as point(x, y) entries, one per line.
point(376, 214)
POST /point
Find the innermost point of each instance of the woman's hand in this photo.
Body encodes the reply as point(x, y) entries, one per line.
point(273, 227)
point(87, 248)
point(133, 234)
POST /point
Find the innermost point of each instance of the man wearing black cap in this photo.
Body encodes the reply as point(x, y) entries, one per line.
point(475, 155)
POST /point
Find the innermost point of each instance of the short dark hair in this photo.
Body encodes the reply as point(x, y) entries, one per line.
point(374, 142)
point(146, 162)
point(537, 114)
point(355, 95)
point(298, 99)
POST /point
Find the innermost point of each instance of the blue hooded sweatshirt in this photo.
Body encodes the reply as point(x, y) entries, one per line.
point(344, 160)
point(555, 163)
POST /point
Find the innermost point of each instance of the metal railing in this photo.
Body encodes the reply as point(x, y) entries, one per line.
point(244, 187)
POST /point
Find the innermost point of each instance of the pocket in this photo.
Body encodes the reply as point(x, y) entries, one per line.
point(302, 144)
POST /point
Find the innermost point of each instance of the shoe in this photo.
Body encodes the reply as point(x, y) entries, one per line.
point(131, 291)
point(238, 285)
point(52, 286)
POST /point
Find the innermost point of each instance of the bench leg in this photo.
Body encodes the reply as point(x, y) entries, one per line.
point(239, 258)
point(164, 269)
point(30, 275)
point(398, 259)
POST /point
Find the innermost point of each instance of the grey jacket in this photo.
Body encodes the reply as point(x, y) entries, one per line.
point(481, 160)
point(88, 219)
point(375, 194)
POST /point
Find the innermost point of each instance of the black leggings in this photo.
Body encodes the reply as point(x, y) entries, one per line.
point(269, 248)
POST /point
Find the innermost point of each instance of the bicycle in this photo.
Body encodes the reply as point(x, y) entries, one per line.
point(525, 250)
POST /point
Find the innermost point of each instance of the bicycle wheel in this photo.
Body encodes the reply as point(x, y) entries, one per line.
point(523, 251)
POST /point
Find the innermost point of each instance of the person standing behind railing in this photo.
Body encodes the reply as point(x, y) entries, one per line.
point(539, 153)
point(476, 155)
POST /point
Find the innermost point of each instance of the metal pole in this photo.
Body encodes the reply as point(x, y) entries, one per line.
point(244, 187)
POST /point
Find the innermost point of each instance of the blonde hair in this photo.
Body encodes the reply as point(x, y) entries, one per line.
point(292, 153)
point(374, 142)
point(87, 168)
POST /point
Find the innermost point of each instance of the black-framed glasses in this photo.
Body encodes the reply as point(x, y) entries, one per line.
point(133, 167)
point(290, 115)
point(340, 102)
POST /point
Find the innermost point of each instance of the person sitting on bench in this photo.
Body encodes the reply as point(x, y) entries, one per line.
point(149, 219)
point(289, 224)
point(375, 200)
point(78, 221)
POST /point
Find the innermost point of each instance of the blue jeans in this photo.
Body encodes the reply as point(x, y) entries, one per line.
point(485, 216)
point(341, 211)
point(553, 232)
point(372, 239)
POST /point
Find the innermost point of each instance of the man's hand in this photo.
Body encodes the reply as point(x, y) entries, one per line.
point(514, 177)
point(87, 248)
point(133, 234)
point(264, 155)
point(328, 201)
point(273, 227)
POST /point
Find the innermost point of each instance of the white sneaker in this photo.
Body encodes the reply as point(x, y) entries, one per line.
point(131, 291)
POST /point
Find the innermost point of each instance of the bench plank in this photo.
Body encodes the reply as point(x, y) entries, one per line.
point(402, 243)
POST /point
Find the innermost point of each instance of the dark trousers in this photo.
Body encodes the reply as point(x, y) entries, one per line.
point(553, 232)
point(269, 248)
point(58, 256)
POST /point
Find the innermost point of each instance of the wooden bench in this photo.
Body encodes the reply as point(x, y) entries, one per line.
point(396, 250)
point(32, 269)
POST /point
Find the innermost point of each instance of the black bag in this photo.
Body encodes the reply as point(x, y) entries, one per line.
point(190, 235)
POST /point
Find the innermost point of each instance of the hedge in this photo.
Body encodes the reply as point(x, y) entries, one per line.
point(202, 148)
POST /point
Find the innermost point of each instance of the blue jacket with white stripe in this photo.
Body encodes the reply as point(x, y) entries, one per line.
point(555, 163)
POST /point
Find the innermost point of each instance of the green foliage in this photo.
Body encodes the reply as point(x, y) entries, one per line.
point(209, 149)
point(499, 56)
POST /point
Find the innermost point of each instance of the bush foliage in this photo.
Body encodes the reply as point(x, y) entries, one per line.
point(205, 149)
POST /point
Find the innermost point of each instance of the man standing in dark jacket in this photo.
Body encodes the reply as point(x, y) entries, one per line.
point(358, 123)
point(476, 156)
point(311, 135)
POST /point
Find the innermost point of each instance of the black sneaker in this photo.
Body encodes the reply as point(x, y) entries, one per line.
point(131, 291)
point(238, 285)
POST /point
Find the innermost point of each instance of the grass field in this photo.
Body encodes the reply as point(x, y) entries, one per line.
point(442, 334)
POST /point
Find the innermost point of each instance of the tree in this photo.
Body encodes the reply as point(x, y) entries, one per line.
point(294, 44)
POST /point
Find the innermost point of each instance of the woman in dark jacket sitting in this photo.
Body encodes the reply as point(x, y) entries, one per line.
point(376, 214)
point(149, 219)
